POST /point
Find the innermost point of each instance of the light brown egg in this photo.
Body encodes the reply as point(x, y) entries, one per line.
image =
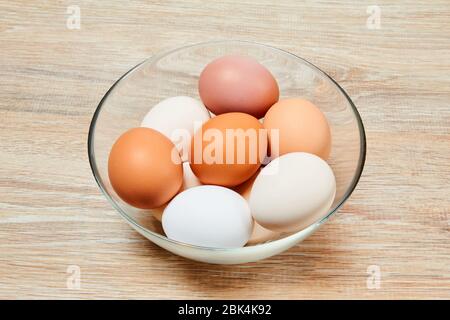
point(259, 233)
point(237, 84)
point(144, 168)
point(245, 188)
point(301, 126)
point(228, 149)
point(158, 212)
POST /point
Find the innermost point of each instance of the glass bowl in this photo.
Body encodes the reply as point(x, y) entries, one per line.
point(176, 73)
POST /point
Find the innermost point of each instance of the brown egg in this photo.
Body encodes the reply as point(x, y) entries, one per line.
point(237, 84)
point(228, 149)
point(301, 126)
point(144, 168)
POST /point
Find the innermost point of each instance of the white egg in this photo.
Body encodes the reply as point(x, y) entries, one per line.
point(292, 192)
point(208, 216)
point(189, 181)
point(177, 118)
point(189, 178)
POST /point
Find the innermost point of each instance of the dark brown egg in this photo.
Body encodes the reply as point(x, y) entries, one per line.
point(238, 84)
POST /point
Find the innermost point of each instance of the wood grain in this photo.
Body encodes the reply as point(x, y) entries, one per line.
point(53, 215)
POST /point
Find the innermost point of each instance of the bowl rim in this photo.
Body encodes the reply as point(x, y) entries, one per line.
point(135, 224)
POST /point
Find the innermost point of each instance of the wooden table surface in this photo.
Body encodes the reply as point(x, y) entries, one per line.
point(390, 240)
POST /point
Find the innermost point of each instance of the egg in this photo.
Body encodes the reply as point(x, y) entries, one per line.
point(176, 118)
point(158, 212)
point(144, 168)
point(228, 149)
point(259, 233)
point(237, 84)
point(245, 188)
point(189, 181)
point(297, 125)
point(208, 216)
point(189, 178)
point(292, 192)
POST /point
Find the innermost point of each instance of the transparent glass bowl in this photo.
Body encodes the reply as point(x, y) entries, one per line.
point(176, 73)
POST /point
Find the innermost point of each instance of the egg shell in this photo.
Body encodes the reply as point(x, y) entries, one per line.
point(158, 212)
point(292, 192)
point(228, 159)
point(189, 178)
point(237, 84)
point(208, 216)
point(259, 233)
point(176, 118)
point(189, 181)
point(245, 188)
point(301, 126)
point(144, 168)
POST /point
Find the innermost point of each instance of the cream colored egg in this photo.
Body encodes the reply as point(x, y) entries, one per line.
point(292, 192)
point(177, 118)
